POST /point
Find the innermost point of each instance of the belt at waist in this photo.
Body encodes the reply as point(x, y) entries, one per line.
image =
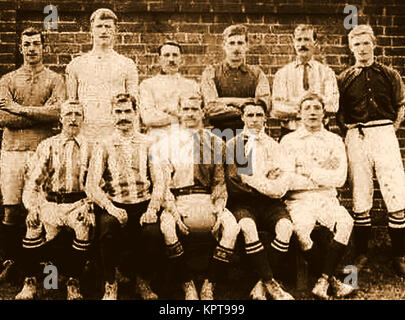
point(190, 190)
point(361, 126)
point(65, 197)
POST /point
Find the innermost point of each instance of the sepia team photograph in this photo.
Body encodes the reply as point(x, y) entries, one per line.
point(175, 150)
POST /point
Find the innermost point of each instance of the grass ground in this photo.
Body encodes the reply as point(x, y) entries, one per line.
point(376, 281)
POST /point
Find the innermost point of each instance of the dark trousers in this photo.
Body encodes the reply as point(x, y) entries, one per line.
point(141, 243)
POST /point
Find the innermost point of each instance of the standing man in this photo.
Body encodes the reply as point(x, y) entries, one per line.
point(196, 198)
point(29, 108)
point(372, 107)
point(129, 190)
point(228, 85)
point(300, 77)
point(54, 197)
point(318, 167)
point(160, 95)
point(255, 188)
point(97, 76)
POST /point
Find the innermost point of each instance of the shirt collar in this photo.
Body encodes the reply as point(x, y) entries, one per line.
point(242, 67)
point(374, 66)
point(35, 70)
point(260, 136)
point(119, 139)
point(302, 132)
point(64, 139)
point(298, 63)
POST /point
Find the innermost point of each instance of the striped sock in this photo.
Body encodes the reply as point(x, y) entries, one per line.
point(174, 250)
point(81, 245)
point(254, 247)
point(34, 242)
point(222, 254)
point(396, 230)
point(280, 245)
point(361, 232)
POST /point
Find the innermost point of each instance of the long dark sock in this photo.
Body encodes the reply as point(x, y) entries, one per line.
point(333, 256)
point(258, 261)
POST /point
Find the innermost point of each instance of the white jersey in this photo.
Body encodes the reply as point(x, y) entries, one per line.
point(97, 79)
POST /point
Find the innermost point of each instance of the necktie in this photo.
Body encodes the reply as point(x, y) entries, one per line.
point(305, 78)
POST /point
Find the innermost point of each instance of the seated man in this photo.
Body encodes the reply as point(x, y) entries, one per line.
point(254, 190)
point(196, 198)
point(54, 197)
point(319, 167)
point(129, 189)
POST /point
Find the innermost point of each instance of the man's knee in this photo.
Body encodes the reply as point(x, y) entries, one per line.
point(249, 229)
point(231, 228)
point(284, 227)
point(108, 226)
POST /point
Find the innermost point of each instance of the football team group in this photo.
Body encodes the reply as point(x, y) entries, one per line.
point(145, 166)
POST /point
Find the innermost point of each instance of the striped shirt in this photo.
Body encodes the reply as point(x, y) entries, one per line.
point(95, 80)
point(160, 97)
point(321, 154)
point(42, 88)
point(120, 171)
point(288, 90)
point(59, 165)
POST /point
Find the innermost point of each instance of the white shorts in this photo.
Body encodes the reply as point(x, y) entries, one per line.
point(378, 149)
point(14, 165)
point(53, 217)
point(321, 209)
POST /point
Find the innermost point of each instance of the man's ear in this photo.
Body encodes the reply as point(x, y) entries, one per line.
point(20, 48)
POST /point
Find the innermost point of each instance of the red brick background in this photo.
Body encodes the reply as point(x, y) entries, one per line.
point(198, 24)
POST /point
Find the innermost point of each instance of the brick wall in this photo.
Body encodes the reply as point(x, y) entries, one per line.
point(198, 24)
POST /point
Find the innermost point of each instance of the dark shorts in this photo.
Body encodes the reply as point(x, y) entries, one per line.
point(265, 211)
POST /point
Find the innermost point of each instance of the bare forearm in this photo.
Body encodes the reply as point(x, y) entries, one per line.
point(400, 117)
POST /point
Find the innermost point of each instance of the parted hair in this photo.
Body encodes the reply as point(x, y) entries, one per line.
point(103, 14)
point(123, 98)
point(360, 30)
point(31, 31)
point(235, 30)
point(306, 27)
point(312, 96)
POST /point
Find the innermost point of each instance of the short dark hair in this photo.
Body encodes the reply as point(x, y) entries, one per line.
point(258, 102)
point(31, 31)
point(103, 14)
point(123, 98)
point(169, 43)
point(312, 96)
point(306, 27)
point(235, 30)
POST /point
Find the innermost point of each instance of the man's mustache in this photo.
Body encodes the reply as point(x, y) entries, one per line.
point(303, 48)
point(124, 122)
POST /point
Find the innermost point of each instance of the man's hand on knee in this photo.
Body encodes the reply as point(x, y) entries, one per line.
point(177, 217)
point(120, 214)
point(32, 219)
point(149, 216)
